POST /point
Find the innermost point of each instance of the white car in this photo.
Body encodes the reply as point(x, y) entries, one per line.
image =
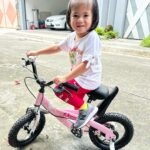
point(57, 21)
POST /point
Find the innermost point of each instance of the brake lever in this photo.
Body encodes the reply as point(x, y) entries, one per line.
point(24, 62)
point(62, 86)
point(30, 59)
point(60, 89)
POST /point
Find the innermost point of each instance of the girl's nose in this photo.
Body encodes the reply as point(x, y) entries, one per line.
point(80, 19)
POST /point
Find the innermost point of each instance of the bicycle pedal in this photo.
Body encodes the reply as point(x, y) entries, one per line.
point(77, 132)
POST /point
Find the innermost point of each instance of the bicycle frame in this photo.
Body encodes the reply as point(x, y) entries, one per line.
point(68, 117)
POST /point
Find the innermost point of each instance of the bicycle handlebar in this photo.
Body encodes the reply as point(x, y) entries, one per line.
point(70, 86)
point(31, 61)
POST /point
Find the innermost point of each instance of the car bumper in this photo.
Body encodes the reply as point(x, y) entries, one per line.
point(55, 26)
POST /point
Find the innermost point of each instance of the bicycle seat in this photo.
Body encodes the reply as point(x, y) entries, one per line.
point(101, 92)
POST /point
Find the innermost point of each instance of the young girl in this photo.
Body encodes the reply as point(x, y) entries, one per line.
point(84, 48)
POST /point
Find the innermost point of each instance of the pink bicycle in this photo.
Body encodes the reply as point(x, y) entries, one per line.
point(106, 130)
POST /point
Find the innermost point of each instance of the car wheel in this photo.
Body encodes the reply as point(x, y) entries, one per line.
point(66, 27)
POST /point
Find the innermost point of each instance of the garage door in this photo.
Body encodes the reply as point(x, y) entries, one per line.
point(8, 14)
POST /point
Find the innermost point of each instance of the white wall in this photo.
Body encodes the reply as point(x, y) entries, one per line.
point(112, 12)
point(48, 7)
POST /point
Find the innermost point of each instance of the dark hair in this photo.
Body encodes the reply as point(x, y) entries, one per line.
point(95, 13)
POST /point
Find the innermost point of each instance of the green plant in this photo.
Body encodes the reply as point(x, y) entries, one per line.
point(100, 31)
point(146, 42)
point(106, 32)
point(111, 35)
point(108, 28)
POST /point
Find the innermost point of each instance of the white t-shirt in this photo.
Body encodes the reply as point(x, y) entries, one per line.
point(88, 49)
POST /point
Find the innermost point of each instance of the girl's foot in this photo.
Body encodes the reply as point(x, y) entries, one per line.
point(85, 116)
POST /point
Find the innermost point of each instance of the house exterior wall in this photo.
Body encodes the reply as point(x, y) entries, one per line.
point(130, 18)
point(112, 12)
point(137, 24)
point(8, 14)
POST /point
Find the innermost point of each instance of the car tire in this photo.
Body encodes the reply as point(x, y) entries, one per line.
point(65, 26)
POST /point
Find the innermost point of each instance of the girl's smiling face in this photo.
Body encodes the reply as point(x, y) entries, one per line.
point(81, 19)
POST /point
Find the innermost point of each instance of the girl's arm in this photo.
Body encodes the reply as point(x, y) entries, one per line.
point(49, 50)
point(78, 70)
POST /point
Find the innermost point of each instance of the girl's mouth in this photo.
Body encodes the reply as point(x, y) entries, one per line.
point(80, 26)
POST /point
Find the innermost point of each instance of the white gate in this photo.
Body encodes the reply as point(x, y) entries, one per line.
point(137, 24)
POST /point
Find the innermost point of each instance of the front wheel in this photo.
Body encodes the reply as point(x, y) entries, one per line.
point(119, 124)
point(19, 135)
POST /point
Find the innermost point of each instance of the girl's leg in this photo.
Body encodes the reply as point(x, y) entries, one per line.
point(86, 111)
point(76, 98)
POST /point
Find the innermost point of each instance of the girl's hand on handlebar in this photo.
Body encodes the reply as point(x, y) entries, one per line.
point(31, 53)
point(59, 79)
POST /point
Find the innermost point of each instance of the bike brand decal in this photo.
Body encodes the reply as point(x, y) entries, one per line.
point(67, 115)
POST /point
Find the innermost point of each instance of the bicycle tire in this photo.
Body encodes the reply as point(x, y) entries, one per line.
point(106, 119)
point(19, 124)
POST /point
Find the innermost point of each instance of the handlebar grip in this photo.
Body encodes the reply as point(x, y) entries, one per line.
point(26, 62)
point(49, 83)
point(70, 86)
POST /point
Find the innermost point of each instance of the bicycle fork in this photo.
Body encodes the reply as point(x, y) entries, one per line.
point(36, 110)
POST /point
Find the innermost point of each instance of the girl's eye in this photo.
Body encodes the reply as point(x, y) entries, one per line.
point(86, 16)
point(75, 16)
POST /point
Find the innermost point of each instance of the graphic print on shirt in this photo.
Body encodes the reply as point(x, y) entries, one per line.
point(73, 54)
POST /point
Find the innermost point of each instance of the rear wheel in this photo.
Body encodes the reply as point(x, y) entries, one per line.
point(20, 135)
point(119, 124)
